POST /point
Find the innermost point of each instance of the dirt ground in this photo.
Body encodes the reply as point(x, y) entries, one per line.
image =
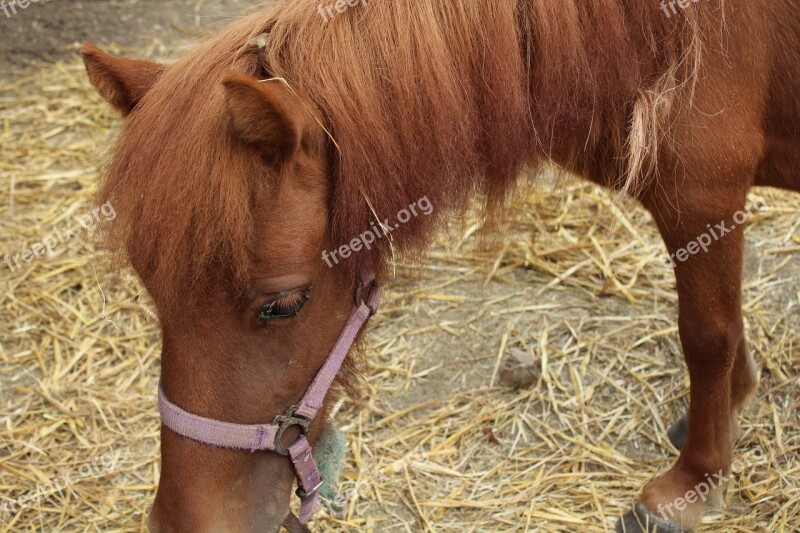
point(45, 32)
point(437, 444)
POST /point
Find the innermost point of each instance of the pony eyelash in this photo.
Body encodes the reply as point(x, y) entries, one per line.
point(287, 305)
point(291, 303)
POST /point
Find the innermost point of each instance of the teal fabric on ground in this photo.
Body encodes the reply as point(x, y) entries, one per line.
point(329, 452)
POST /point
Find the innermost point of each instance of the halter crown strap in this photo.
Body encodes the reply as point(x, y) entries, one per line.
point(267, 437)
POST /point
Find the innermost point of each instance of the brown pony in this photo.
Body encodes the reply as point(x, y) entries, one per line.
point(239, 165)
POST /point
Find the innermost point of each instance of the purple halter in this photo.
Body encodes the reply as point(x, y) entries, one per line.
point(267, 437)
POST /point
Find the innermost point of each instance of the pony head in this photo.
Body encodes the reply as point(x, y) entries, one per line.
point(221, 183)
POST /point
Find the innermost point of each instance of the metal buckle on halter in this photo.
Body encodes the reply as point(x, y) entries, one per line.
point(302, 494)
point(284, 422)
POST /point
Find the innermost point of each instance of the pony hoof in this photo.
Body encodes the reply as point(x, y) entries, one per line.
point(641, 520)
point(678, 432)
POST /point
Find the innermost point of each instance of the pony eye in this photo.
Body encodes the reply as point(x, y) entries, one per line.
point(287, 305)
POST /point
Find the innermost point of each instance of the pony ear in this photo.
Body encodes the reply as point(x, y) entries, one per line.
point(122, 82)
point(261, 116)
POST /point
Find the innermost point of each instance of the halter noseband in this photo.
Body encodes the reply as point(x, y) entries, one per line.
point(268, 437)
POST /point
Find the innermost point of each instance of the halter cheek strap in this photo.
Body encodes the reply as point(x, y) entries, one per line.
point(268, 437)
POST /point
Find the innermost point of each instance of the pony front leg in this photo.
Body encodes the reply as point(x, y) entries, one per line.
point(705, 241)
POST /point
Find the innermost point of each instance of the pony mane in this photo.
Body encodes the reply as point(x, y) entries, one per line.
point(426, 98)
